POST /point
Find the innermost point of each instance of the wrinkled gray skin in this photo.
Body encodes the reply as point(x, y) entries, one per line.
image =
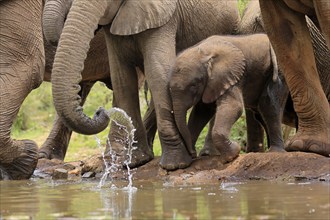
point(21, 70)
point(35, 66)
point(252, 23)
point(219, 77)
point(96, 68)
point(286, 26)
point(146, 34)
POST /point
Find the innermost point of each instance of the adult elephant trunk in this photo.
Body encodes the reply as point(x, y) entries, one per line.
point(78, 31)
point(180, 113)
point(53, 19)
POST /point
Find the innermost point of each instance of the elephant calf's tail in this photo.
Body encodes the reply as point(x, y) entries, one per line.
point(274, 61)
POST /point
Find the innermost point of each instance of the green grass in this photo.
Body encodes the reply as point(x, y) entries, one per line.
point(37, 113)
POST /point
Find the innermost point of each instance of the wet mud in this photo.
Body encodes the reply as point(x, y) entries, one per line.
point(289, 166)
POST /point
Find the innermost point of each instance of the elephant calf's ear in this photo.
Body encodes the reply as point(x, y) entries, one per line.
point(135, 16)
point(224, 71)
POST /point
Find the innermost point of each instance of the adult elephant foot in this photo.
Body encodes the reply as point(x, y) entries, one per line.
point(138, 157)
point(230, 153)
point(50, 151)
point(57, 142)
point(175, 157)
point(19, 160)
point(315, 144)
point(273, 148)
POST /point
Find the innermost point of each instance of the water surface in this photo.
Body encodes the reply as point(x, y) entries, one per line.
point(47, 199)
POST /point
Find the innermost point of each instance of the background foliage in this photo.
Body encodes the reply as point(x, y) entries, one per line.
point(37, 113)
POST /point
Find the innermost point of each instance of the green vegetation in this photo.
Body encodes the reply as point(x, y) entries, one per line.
point(242, 5)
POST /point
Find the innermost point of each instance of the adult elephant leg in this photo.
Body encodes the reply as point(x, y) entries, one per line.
point(126, 96)
point(21, 71)
point(18, 158)
point(271, 105)
point(289, 35)
point(159, 53)
point(230, 108)
point(255, 133)
point(57, 142)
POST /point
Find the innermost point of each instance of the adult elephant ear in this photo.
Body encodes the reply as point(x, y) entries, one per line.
point(135, 16)
point(225, 68)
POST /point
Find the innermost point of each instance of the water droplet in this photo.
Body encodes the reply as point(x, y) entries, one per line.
point(311, 211)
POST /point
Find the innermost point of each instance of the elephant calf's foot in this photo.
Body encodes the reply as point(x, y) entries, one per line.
point(230, 153)
point(175, 158)
point(19, 163)
point(209, 150)
point(311, 144)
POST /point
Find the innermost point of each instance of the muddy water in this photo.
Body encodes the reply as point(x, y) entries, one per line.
point(46, 199)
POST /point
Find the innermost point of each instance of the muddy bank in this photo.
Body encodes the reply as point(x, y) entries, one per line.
point(290, 166)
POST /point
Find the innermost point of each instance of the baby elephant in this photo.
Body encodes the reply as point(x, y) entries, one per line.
point(218, 77)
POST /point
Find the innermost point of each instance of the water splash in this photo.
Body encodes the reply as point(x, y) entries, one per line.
point(123, 121)
point(109, 169)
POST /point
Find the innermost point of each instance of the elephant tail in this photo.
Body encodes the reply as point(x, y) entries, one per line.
point(274, 62)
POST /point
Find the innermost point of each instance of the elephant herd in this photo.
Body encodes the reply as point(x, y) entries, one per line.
point(198, 54)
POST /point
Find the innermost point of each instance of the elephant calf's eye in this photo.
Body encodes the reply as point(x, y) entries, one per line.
point(193, 89)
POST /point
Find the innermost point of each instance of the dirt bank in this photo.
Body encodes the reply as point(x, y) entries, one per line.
point(290, 166)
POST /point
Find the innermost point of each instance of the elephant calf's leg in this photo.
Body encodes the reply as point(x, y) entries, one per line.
point(200, 115)
point(209, 149)
point(229, 109)
point(255, 133)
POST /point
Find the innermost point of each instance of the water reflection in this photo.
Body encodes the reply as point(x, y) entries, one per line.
point(42, 199)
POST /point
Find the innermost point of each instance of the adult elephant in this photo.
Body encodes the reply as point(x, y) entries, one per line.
point(285, 24)
point(21, 70)
point(147, 34)
point(251, 23)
